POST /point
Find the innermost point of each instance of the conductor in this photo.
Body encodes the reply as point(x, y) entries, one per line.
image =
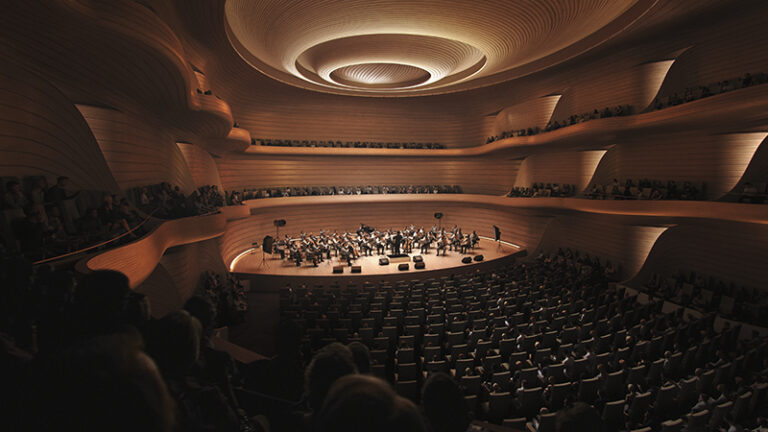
point(396, 241)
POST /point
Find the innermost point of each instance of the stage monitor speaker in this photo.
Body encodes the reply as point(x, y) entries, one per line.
point(403, 267)
point(417, 258)
point(338, 269)
point(384, 261)
point(419, 265)
point(267, 245)
point(466, 260)
point(357, 269)
point(479, 258)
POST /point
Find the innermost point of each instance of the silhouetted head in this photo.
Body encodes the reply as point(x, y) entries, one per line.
point(332, 362)
point(174, 342)
point(443, 404)
point(106, 383)
point(363, 403)
point(361, 356)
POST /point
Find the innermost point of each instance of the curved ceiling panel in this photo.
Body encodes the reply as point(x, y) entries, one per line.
point(388, 47)
point(380, 75)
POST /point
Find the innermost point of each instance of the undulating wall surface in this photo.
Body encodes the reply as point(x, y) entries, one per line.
point(44, 134)
point(608, 238)
point(729, 52)
point(529, 114)
point(473, 174)
point(138, 153)
point(718, 160)
point(574, 168)
point(755, 172)
point(520, 227)
point(635, 86)
point(201, 165)
point(178, 275)
point(729, 251)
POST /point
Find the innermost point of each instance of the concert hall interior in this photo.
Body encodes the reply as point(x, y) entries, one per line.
point(350, 215)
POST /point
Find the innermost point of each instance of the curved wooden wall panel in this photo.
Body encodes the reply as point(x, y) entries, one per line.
point(475, 175)
point(755, 172)
point(732, 252)
point(718, 160)
point(137, 153)
point(44, 134)
point(533, 113)
point(201, 165)
point(575, 168)
point(634, 86)
point(727, 53)
point(604, 237)
point(178, 275)
point(100, 52)
point(520, 227)
point(138, 260)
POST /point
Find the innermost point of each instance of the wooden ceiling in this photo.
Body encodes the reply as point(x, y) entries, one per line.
point(303, 42)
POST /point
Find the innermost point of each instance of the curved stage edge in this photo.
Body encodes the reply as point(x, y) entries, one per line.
point(275, 273)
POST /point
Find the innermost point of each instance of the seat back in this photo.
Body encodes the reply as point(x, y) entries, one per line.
point(613, 415)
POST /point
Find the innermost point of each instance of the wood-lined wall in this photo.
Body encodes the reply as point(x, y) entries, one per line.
point(138, 259)
point(138, 153)
point(201, 165)
point(729, 52)
point(634, 86)
point(179, 275)
point(718, 160)
point(475, 175)
point(523, 227)
point(529, 114)
point(625, 245)
point(755, 172)
point(44, 134)
point(729, 251)
point(574, 168)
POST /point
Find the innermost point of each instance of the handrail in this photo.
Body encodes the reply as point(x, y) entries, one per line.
point(97, 245)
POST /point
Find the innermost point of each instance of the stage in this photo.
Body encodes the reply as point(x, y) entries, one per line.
point(255, 263)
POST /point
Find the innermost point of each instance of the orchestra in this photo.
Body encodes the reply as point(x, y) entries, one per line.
point(349, 246)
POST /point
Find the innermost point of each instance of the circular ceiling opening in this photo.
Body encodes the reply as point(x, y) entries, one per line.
point(391, 47)
point(380, 75)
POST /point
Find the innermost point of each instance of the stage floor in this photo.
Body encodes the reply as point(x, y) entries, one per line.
point(252, 262)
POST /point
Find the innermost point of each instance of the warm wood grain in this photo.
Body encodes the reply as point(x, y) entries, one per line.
point(474, 175)
point(529, 114)
point(718, 160)
point(731, 252)
point(138, 260)
point(625, 245)
point(573, 168)
point(201, 165)
point(137, 153)
point(179, 275)
point(44, 134)
point(520, 227)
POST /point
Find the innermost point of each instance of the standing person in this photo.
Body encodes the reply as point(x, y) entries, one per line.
point(61, 198)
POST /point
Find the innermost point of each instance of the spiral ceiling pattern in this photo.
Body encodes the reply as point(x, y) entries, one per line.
point(396, 47)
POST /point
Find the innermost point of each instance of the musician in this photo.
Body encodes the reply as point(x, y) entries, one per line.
point(425, 245)
point(474, 239)
point(350, 254)
point(396, 241)
point(441, 243)
point(380, 247)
